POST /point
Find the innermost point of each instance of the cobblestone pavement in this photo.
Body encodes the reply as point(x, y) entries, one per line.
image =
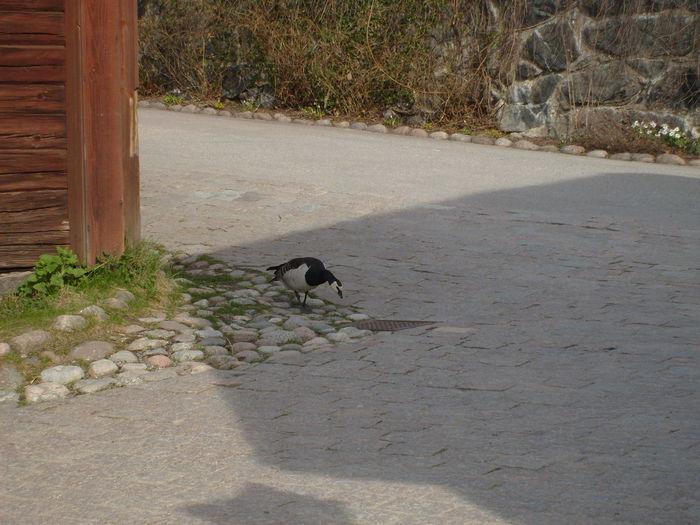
point(559, 384)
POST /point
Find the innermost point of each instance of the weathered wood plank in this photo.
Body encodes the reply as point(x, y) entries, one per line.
point(76, 113)
point(28, 98)
point(33, 28)
point(40, 219)
point(25, 74)
point(32, 161)
point(23, 56)
point(32, 131)
point(23, 256)
point(101, 108)
point(33, 181)
point(32, 5)
point(132, 185)
point(39, 237)
point(16, 201)
point(32, 64)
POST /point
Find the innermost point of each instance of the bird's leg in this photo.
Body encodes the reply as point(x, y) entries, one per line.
point(305, 308)
point(298, 298)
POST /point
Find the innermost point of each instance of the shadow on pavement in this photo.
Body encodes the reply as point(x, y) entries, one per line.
point(259, 503)
point(570, 400)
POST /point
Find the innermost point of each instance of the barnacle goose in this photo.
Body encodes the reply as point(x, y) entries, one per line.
point(303, 274)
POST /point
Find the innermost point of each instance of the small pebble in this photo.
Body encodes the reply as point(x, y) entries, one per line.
point(338, 337)
point(159, 361)
point(248, 356)
point(115, 304)
point(102, 368)
point(269, 349)
point(124, 356)
point(188, 355)
point(134, 366)
point(144, 343)
point(45, 392)
point(69, 323)
point(316, 341)
point(95, 312)
point(215, 350)
point(125, 295)
point(223, 362)
point(90, 386)
point(240, 347)
point(62, 374)
point(133, 329)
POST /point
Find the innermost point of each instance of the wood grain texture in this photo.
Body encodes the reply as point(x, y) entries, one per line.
point(32, 161)
point(33, 144)
point(54, 218)
point(33, 28)
point(32, 98)
point(32, 131)
point(54, 237)
point(33, 181)
point(32, 5)
point(31, 64)
point(17, 201)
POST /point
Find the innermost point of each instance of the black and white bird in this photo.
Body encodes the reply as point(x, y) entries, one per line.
point(303, 274)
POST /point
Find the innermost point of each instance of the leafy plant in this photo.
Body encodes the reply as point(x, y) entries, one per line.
point(493, 133)
point(393, 122)
point(249, 106)
point(313, 112)
point(54, 272)
point(171, 100)
point(218, 105)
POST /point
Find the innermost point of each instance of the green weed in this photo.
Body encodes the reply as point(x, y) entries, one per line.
point(172, 100)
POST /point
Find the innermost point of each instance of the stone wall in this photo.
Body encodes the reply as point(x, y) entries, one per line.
point(578, 59)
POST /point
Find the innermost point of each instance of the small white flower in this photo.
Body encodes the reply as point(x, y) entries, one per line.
point(652, 124)
point(635, 124)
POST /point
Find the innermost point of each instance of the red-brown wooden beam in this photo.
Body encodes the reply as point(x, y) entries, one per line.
point(103, 179)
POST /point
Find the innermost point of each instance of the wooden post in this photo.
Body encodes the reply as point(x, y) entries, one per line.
point(101, 81)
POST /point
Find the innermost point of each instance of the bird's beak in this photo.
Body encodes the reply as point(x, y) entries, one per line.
point(340, 293)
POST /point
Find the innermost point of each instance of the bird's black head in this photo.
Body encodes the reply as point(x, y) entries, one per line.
point(334, 283)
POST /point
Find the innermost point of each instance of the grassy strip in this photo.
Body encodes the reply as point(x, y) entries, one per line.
point(140, 270)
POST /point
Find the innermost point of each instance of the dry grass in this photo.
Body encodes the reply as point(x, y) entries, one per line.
point(445, 58)
point(615, 136)
point(341, 57)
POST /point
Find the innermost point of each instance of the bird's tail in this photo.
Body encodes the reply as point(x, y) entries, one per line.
point(276, 270)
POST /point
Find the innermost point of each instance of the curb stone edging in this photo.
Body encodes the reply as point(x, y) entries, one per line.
point(506, 141)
